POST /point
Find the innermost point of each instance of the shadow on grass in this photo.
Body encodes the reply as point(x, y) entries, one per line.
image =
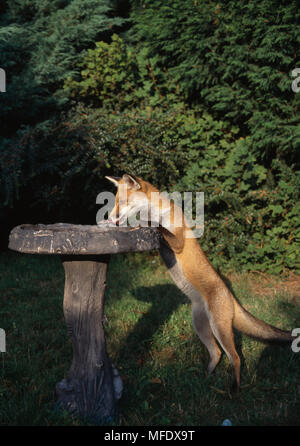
point(165, 299)
point(277, 367)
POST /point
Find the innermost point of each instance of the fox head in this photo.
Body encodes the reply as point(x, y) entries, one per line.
point(133, 197)
point(136, 197)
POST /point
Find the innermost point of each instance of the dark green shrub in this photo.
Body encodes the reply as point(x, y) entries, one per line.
point(235, 58)
point(195, 96)
point(251, 213)
point(61, 165)
point(41, 42)
point(114, 75)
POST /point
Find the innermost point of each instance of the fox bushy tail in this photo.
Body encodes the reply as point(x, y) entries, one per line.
point(255, 328)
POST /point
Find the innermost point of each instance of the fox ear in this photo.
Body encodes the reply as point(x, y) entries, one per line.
point(114, 180)
point(131, 182)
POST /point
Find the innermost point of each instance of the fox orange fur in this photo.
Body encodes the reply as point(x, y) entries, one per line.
point(215, 311)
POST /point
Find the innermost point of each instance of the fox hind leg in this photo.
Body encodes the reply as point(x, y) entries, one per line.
point(204, 331)
point(224, 334)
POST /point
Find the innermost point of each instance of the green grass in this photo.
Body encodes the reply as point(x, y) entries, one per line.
point(150, 339)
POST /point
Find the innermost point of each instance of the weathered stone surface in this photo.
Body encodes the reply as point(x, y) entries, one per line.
point(63, 238)
point(88, 390)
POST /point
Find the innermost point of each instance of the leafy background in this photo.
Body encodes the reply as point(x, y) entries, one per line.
point(190, 95)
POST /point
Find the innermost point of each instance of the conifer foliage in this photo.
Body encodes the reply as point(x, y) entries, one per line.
point(40, 44)
point(191, 95)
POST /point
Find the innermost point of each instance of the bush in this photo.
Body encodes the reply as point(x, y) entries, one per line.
point(60, 165)
point(251, 213)
point(235, 59)
point(41, 43)
point(195, 96)
point(117, 77)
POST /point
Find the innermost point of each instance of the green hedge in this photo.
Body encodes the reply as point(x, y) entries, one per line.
point(192, 96)
point(251, 215)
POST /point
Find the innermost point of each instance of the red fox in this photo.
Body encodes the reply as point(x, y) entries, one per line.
point(215, 311)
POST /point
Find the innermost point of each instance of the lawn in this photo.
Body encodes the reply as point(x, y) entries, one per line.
point(151, 341)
